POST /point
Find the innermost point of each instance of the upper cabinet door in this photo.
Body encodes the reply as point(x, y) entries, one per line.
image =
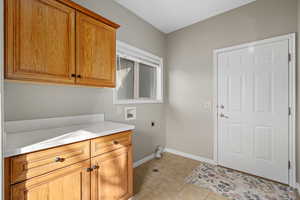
point(40, 41)
point(95, 52)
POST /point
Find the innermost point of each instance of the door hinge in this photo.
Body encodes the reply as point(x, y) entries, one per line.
point(290, 57)
point(289, 164)
point(290, 111)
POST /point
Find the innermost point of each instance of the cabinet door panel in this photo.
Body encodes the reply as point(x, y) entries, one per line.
point(40, 41)
point(113, 178)
point(70, 183)
point(95, 52)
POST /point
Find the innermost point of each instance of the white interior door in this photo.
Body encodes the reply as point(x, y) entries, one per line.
point(253, 116)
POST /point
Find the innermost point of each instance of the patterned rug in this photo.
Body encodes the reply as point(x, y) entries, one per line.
point(238, 186)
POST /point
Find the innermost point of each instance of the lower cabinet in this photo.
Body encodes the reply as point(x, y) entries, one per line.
point(111, 177)
point(102, 176)
point(70, 183)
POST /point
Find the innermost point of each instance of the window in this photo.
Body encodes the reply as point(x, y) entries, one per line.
point(139, 76)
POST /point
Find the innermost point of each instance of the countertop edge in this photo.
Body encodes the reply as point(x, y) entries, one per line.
point(22, 150)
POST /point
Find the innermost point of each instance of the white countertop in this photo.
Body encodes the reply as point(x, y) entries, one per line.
point(34, 140)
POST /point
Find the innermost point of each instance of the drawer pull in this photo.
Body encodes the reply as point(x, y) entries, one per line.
point(59, 159)
point(115, 142)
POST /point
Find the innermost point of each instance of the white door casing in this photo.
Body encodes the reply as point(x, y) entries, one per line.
point(255, 88)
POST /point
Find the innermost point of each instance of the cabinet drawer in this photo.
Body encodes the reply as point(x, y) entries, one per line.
point(33, 164)
point(110, 143)
point(69, 183)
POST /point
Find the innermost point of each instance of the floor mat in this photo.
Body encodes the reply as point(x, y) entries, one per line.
point(238, 186)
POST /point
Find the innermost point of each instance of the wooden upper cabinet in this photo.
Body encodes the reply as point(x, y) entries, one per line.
point(95, 52)
point(70, 183)
point(40, 41)
point(111, 178)
point(43, 43)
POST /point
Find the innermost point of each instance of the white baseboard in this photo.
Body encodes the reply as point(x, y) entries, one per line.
point(176, 152)
point(191, 156)
point(142, 161)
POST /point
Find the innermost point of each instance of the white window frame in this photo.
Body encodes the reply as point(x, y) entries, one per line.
point(139, 56)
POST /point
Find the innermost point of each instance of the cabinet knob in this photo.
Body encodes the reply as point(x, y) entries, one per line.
point(115, 142)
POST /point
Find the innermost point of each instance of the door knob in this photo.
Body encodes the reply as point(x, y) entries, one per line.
point(224, 116)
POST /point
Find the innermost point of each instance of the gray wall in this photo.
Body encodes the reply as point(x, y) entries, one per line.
point(190, 66)
point(29, 101)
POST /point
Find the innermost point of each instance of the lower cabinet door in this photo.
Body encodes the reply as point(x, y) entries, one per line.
point(69, 183)
point(111, 178)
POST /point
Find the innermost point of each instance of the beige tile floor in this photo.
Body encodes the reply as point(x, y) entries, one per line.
point(168, 182)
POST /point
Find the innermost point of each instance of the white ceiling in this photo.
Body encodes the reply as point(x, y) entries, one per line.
point(171, 15)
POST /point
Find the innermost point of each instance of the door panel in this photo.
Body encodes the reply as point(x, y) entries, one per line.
point(96, 52)
point(263, 95)
point(112, 178)
point(70, 183)
point(40, 41)
point(253, 87)
point(263, 143)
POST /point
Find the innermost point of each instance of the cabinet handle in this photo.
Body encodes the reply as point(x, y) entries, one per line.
point(89, 169)
point(79, 76)
point(115, 142)
point(95, 167)
point(73, 75)
point(58, 159)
